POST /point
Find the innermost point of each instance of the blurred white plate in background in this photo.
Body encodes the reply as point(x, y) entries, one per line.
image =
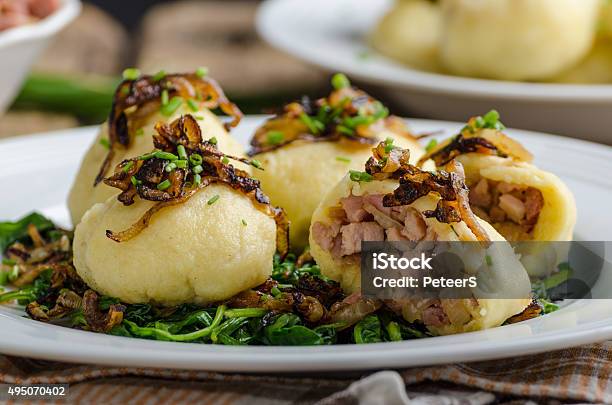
point(331, 34)
point(36, 172)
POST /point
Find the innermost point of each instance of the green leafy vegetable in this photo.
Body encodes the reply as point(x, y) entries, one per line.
point(368, 330)
point(14, 231)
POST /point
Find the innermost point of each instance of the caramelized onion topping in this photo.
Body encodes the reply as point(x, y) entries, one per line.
point(347, 113)
point(389, 161)
point(183, 164)
point(135, 99)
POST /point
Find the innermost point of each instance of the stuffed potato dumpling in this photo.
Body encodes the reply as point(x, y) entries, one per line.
point(139, 104)
point(393, 201)
point(308, 148)
point(187, 227)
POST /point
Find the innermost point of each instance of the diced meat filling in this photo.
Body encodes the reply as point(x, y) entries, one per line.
point(364, 218)
point(511, 208)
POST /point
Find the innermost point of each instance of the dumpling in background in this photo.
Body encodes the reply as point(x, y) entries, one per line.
point(138, 105)
point(516, 39)
point(308, 148)
point(410, 33)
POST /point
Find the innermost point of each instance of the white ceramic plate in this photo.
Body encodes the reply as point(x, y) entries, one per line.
point(332, 34)
point(35, 173)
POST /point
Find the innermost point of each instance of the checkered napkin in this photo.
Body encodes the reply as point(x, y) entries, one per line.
point(580, 374)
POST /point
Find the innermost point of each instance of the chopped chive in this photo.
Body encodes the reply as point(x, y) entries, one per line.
point(165, 155)
point(197, 179)
point(431, 145)
point(135, 181)
point(345, 130)
point(181, 163)
point(128, 166)
point(170, 166)
point(164, 185)
point(164, 97)
point(159, 75)
point(3, 279)
point(173, 105)
point(360, 176)
point(256, 163)
point(353, 122)
point(244, 223)
point(180, 149)
point(193, 105)
point(388, 145)
point(105, 142)
point(489, 260)
point(140, 132)
point(202, 71)
point(131, 74)
point(213, 200)
point(225, 160)
point(275, 291)
point(9, 262)
point(275, 137)
point(199, 117)
point(195, 159)
point(343, 159)
point(198, 169)
point(314, 126)
point(340, 81)
point(13, 274)
point(147, 156)
point(213, 140)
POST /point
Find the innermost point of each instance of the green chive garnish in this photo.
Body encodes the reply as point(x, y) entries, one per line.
point(198, 169)
point(340, 81)
point(164, 185)
point(488, 260)
point(170, 166)
point(430, 145)
point(128, 166)
point(197, 179)
point(105, 142)
point(244, 223)
point(213, 200)
point(195, 159)
point(275, 291)
point(314, 126)
point(180, 149)
point(173, 105)
point(131, 74)
point(140, 132)
point(165, 155)
point(275, 137)
point(159, 75)
point(225, 160)
point(164, 97)
point(343, 159)
point(193, 105)
point(360, 176)
point(135, 181)
point(213, 140)
point(202, 71)
point(147, 156)
point(199, 117)
point(181, 164)
point(345, 130)
point(256, 163)
point(388, 145)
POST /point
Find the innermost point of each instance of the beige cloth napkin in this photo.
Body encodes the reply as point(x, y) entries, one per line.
point(580, 374)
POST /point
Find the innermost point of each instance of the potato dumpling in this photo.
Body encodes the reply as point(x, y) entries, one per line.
point(306, 150)
point(410, 33)
point(193, 252)
point(595, 68)
point(353, 211)
point(516, 39)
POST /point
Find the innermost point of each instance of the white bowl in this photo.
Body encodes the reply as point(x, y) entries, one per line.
point(331, 34)
point(20, 46)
